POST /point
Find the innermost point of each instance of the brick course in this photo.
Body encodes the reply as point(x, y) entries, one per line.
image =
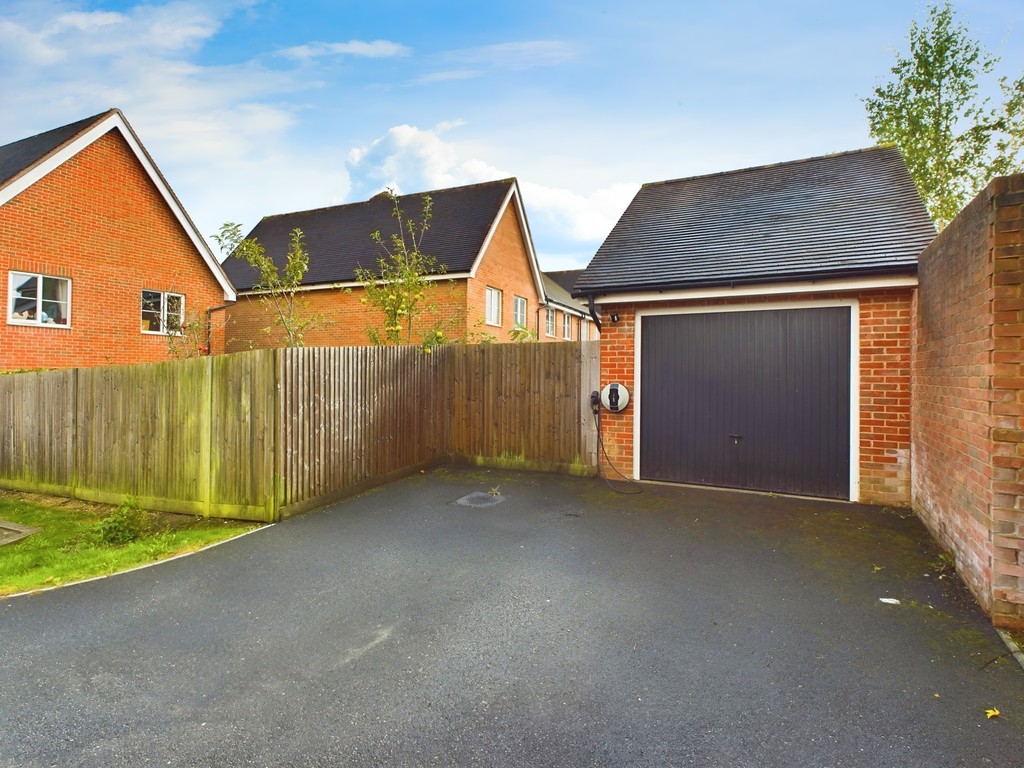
point(885, 317)
point(99, 220)
point(968, 383)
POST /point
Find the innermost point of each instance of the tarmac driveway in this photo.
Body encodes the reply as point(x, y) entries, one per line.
point(566, 626)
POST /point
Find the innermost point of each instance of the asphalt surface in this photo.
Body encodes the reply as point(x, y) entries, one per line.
point(565, 626)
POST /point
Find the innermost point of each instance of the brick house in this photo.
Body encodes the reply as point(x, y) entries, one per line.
point(491, 283)
point(566, 316)
point(99, 259)
point(761, 319)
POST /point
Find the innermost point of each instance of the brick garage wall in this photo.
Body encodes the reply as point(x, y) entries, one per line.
point(884, 384)
point(968, 383)
point(98, 220)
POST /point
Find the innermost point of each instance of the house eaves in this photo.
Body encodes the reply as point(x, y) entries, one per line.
point(92, 129)
point(513, 197)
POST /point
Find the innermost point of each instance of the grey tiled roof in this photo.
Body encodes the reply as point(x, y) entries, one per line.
point(855, 213)
point(19, 156)
point(338, 238)
point(557, 294)
point(565, 277)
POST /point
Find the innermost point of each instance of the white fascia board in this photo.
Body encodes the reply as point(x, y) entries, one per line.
point(759, 289)
point(524, 231)
point(571, 309)
point(72, 148)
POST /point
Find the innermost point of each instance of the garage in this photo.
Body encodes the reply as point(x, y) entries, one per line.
point(756, 399)
point(762, 319)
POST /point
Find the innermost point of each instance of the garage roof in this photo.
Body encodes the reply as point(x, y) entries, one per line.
point(854, 213)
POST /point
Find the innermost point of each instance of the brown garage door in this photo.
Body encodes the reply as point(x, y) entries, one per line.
point(757, 400)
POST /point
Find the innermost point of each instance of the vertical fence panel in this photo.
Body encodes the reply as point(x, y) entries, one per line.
point(243, 435)
point(37, 430)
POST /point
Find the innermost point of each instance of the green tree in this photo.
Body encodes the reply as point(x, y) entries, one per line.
point(952, 139)
point(278, 292)
point(399, 287)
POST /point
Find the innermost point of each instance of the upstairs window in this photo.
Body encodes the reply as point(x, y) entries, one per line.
point(493, 309)
point(584, 330)
point(519, 311)
point(549, 322)
point(38, 300)
point(162, 313)
point(566, 325)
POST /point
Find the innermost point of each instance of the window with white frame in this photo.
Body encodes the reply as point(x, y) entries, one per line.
point(162, 312)
point(38, 300)
point(493, 309)
point(549, 322)
point(584, 330)
point(566, 325)
point(519, 311)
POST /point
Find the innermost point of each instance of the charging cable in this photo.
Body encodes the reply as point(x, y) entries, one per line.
point(595, 407)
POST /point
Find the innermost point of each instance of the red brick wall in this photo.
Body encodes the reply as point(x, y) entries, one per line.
point(98, 220)
point(505, 265)
point(968, 382)
point(347, 318)
point(884, 384)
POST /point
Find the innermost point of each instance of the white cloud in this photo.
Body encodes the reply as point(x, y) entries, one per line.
point(222, 135)
point(410, 159)
point(468, 63)
point(588, 217)
point(526, 54)
point(376, 49)
point(88, 21)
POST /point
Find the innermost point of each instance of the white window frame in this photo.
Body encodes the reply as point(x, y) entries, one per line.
point(492, 310)
point(566, 326)
point(16, 278)
point(163, 329)
point(549, 322)
point(584, 329)
point(518, 312)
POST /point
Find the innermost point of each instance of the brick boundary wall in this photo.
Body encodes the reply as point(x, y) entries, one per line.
point(968, 396)
point(885, 318)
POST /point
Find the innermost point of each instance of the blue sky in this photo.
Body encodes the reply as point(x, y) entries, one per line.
point(254, 107)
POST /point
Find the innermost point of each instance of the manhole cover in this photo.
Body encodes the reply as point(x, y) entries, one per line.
point(480, 500)
point(11, 532)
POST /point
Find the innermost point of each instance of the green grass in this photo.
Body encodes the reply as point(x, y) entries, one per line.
point(68, 548)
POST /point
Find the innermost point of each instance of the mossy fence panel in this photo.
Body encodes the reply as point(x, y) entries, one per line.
point(257, 435)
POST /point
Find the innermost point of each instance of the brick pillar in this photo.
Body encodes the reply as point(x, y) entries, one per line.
point(617, 364)
point(1006, 244)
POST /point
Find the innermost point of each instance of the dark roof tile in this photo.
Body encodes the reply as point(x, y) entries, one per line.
point(19, 156)
point(833, 216)
point(338, 238)
point(565, 277)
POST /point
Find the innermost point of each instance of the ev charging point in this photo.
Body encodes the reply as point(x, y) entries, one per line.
point(614, 397)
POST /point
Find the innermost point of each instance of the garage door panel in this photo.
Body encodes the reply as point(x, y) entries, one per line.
point(755, 400)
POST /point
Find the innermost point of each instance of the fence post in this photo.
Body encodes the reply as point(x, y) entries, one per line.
point(590, 380)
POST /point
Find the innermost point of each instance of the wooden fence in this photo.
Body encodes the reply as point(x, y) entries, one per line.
point(258, 435)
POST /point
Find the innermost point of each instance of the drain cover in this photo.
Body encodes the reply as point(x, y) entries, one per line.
point(480, 500)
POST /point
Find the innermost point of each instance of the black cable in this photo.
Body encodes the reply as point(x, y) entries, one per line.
point(600, 443)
